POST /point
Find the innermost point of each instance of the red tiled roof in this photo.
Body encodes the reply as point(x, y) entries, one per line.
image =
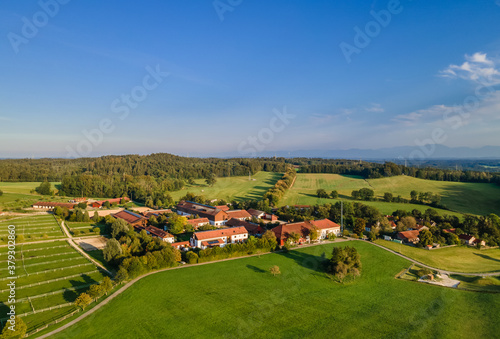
point(449, 230)
point(409, 234)
point(224, 208)
point(198, 221)
point(204, 211)
point(224, 232)
point(158, 232)
point(238, 214)
point(156, 213)
point(466, 237)
point(250, 227)
point(54, 204)
point(282, 232)
point(324, 224)
point(130, 217)
point(111, 201)
point(255, 213)
point(180, 243)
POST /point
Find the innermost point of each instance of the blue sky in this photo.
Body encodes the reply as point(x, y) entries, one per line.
point(429, 74)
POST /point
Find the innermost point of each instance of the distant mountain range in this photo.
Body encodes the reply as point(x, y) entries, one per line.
point(393, 153)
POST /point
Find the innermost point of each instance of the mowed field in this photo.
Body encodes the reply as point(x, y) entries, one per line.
point(458, 258)
point(49, 276)
point(232, 188)
point(34, 228)
point(471, 198)
point(23, 187)
point(240, 298)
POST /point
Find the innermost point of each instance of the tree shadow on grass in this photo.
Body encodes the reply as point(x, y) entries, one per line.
point(306, 260)
point(256, 269)
point(71, 295)
point(484, 256)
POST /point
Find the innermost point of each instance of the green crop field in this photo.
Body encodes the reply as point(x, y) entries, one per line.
point(232, 188)
point(458, 258)
point(472, 198)
point(33, 228)
point(48, 275)
point(240, 298)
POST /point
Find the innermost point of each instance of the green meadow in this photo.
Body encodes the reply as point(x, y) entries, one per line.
point(240, 298)
point(474, 198)
point(232, 188)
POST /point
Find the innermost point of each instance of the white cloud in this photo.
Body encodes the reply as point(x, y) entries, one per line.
point(477, 68)
point(423, 115)
point(375, 108)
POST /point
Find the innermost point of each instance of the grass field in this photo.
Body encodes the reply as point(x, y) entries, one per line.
point(23, 187)
point(240, 298)
point(232, 188)
point(461, 197)
point(48, 274)
point(84, 228)
point(33, 228)
point(458, 258)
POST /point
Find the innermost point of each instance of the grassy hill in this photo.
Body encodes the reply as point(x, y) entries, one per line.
point(23, 187)
point(460, 197)
point(240, 298)
point(232, 188)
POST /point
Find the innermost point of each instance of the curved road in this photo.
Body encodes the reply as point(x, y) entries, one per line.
point(130, 283)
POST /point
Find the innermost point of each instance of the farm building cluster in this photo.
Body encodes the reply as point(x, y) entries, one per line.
point(230, 226)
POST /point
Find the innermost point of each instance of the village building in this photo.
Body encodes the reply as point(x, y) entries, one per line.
point(134, 219)
point(467, 239)
point(163, 235)
point(100, 203)
point(78, 200)
point(50, 205)
point(215, 216)
point(409, 236)
point(326, 227)
point(156, 213)
point(252, 229)
point(239, 214)
point(220, 237)
point(262, 215)
point(181, 245)
point(198, 222)
point(303, 229)
point(224, 208)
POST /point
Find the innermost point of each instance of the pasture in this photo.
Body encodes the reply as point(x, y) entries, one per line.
point(458, 258)
point(23, 187)
point(474, 198)
point(33, 228)
point(240, 298)
point(49, 277)
point(232, 188)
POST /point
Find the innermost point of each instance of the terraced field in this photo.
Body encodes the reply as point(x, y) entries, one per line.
point(49, 274)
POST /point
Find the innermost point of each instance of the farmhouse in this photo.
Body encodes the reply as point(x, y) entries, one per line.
point(98, 204)
point(467, 239)
point(239, 214)
point(224, 208)
point(156, 213)
point(262, 215)
point(198, 222)
point(78, 200)
point(326, 227)
point(134, 219)
point(49, 205)
point(156, 232)
point(181, 245)
point(480, 242)
point(283, 232)
point(215, 216)
point(219, 237)
point(409, 236)
point(252, 229)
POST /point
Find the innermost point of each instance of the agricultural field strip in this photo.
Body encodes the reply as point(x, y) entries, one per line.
point(35, 249)
point(49, 262)
point(33, 269)
point(42, 256)
point(47, 271)
point(53, 293)
point(43, 310)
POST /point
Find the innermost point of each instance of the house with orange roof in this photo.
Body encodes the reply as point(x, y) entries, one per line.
point(239, 214)
point(220, 237)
